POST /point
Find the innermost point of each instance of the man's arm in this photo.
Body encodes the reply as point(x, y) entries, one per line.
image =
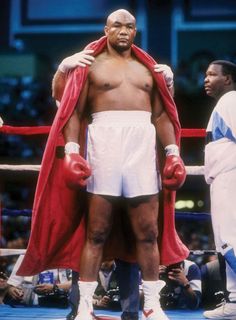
point(76, 168)
point(58, 85)
point(81, 59)
point(174, 173)
point(47, 288)
point(191, 290)
point(164, 127)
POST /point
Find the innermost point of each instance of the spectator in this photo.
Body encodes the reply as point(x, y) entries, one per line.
point(212, 285)
point(183, 286)
point(106, 295)
point(49, 288)
point(3, 286)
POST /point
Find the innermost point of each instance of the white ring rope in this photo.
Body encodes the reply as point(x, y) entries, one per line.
point(194, 170)
point(11, 252)
point(191, 170)
point(20, 167)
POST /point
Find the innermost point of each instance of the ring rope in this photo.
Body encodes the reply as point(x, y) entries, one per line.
point(190, 170)
point(20, 167)
point(178, 214)
point(13, 252)
point(185, 133)
point(25, 130)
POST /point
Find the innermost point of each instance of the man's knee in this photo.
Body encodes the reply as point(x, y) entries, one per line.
point(148, 233)
point(97, 236)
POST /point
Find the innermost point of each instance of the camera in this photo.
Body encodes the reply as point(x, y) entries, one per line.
point(114, 295)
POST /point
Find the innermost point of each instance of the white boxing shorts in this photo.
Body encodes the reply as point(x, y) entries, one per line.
point(121, 150)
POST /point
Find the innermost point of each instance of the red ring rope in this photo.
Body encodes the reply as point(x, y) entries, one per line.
point(185, 133)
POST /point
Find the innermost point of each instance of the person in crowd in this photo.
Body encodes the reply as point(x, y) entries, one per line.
point(111, 105)
point(220, 173)
point(106, 295)
point(3, 286)
point(212, 284)
point(49, 288)
point(183, 289)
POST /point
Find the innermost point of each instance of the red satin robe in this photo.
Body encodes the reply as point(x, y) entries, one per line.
point(59, 213)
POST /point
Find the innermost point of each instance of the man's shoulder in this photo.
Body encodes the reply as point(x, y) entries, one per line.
point(188, 264)
point(101, 60)
point(227, 97)
point(192, 269)
point(226, 103)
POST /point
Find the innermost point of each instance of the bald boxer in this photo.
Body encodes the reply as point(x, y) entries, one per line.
point(127, 116)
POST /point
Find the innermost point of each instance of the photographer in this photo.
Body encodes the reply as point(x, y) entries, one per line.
point(183, 286)
point(48, 289)
point(106, 295)
point(3, 284)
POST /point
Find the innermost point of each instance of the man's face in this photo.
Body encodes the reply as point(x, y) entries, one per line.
point(107, 265)
point(215, 81)
point(3, 281)
point(120, 31)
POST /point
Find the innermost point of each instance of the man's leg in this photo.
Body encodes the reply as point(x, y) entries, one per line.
point(224, 227)
point(128, 279)
point(143, 212)
point(99, 225)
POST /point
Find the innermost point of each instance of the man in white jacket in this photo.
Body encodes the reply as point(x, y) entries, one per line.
point(220, 173)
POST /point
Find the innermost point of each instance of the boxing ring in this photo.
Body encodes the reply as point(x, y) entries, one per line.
point(30, 313)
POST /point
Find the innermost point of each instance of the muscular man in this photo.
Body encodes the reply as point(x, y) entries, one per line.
point(128, 273)
point(220, 173)
point(130, 107)
point(120, 93)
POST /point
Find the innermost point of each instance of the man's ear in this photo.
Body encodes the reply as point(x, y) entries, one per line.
point(228, 79)
point(106, 30)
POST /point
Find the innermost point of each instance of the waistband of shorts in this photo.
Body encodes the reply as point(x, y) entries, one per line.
point(131, 117)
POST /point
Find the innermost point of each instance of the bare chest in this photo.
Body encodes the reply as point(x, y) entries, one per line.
point(108, 75)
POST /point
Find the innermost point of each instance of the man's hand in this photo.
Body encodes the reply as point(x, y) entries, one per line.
point(1, 122)
point(81, 59)
point(174, 173)
point(15, 293)
point(76, 170)
point(167, 73)
point(177, 275)
point(44, 288)
point(103, 302)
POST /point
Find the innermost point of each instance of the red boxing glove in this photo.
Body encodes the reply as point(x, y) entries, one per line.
point(174, 173)
point(76, 170)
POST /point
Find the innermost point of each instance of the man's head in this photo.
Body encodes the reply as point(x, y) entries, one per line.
point(107, 265)
point(120, 30)
point(3, 282)
point(220, 78)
